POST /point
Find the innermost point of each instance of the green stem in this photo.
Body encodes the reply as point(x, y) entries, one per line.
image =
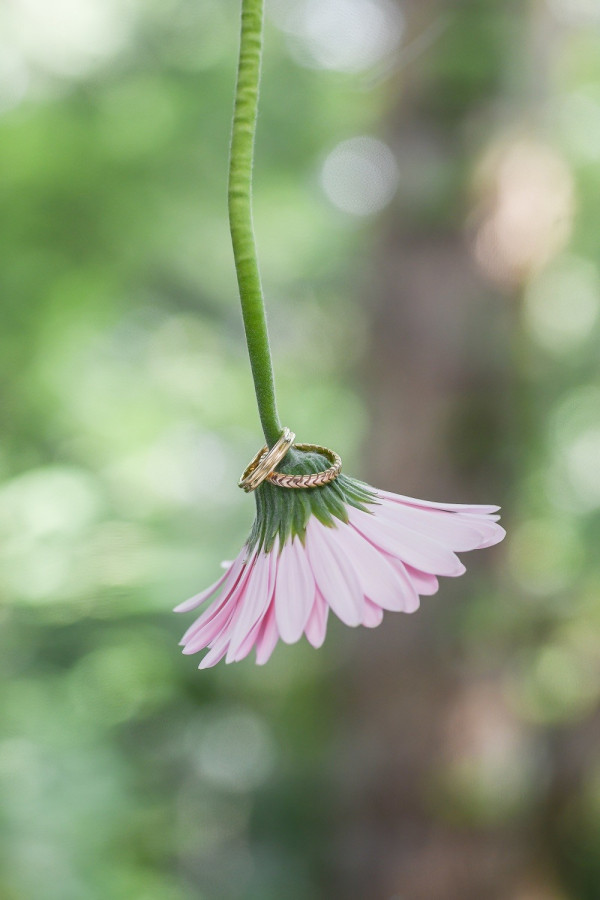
point(240, 217)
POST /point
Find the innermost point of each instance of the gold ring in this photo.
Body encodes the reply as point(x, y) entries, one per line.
point(316, 479)
point(265, 462)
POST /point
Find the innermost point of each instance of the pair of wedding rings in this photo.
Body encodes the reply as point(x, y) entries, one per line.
point(263, 465)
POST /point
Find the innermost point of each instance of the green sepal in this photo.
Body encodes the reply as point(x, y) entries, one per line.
point(285, 512)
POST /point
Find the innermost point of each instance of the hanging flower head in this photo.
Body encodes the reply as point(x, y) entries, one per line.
point(341, 546)
point(321, 540)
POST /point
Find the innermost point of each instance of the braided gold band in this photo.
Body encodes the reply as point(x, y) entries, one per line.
point(316, 479)
point(265, 462)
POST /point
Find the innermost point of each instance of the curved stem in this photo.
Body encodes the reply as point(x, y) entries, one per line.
point(240, 217)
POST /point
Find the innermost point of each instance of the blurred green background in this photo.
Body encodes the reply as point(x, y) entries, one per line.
point(427, 205)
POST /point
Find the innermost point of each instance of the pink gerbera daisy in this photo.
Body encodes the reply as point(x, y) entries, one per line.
point(345, 547)
point(318, 543)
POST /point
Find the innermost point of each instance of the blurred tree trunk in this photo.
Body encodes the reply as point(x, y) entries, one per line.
point(437, 382)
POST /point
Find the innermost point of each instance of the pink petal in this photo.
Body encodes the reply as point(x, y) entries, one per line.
point(268, 637)
point(453, 530)
point(217, 617)
point(424, 583)
point(253, 604)
point(231, 587)
point(428, 504)
point(380, 582)
point(252, 636)
point(214, 655)
point(229, 576)
point(316, 627)
point(208, 615)
point(493, 533)
point(294, 591)
point(478, 517)
point(247, 644)
point(373, 615)
point(210, 631)
point(334, 573)
point(409, 546)
point(413, 601)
